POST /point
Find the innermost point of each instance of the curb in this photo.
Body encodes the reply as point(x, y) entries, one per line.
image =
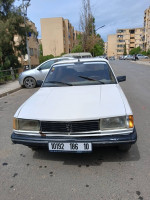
point(10, 92)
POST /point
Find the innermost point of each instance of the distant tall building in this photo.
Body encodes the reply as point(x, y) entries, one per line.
point(58, 36)
point(147, 29)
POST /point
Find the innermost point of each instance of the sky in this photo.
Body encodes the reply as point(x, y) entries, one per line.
point(114, 14)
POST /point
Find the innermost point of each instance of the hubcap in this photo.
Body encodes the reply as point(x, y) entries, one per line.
point(29, 83)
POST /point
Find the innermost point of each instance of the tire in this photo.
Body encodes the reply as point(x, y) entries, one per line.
point(124, 147)
point(29, 82)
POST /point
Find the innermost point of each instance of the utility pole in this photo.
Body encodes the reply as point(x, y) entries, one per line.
point(25, 5)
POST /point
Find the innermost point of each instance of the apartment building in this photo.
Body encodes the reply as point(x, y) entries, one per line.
point(112, 45)
point(131, 38)
point(147, 29)
point(58, 36)
point(33, 47)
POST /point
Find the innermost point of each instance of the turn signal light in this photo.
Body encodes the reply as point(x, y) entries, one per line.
point(15, 124)
point(131, 121)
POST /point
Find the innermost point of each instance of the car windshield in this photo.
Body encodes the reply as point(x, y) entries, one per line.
point(74, 74)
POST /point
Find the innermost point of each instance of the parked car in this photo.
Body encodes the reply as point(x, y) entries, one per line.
point(121, 58)
point(140, 56)
point(104, 56)
point(112, 58)
point(79, 105)
point(29, 78)
point(129, 57)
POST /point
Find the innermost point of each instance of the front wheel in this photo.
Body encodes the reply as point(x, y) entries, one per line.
point(29, 82)
point(124, 147)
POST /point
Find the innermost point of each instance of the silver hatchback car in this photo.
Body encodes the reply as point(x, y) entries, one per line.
point(29, 78)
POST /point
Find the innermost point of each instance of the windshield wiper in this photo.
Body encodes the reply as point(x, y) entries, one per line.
point(59, 82)
point(91, 79)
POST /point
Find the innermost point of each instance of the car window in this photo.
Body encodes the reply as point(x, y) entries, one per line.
point(87, 73)
point(47, 65)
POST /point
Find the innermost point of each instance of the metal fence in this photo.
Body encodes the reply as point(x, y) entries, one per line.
point(9, 74)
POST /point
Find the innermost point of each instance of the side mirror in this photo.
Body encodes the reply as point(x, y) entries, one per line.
point(39, 68)
point(39, 83)
point(121, 78)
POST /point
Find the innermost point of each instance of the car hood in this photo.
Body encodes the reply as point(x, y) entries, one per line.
point(73, 103)
point(29, 72)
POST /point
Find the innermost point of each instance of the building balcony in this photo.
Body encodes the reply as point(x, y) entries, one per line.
point(132, 45)
point(132, 35)
point(132, 40)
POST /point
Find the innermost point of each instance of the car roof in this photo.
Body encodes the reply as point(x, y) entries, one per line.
point(81, 60)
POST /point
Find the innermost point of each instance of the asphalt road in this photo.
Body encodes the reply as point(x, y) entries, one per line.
point(105, 174)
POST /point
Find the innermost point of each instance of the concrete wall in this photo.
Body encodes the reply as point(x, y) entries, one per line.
point(111, 45)
point(52, 36)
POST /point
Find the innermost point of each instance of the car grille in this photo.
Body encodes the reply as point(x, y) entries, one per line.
point(69, 127)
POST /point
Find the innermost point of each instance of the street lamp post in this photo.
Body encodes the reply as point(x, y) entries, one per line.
point(25, 14)
point(99, 28)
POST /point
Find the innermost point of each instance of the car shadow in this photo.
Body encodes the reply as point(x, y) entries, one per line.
point(97, 157)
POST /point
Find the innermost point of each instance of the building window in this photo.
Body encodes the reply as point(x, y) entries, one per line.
point(120, 36)
point(31, 52)
point(120, 50)
point(120, 45)
point(121, 40)
point(121, 31)
point(132, 31)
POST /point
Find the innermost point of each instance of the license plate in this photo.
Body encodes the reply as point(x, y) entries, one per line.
point(70, 147)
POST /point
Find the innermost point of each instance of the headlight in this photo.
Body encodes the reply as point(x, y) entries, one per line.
point(117, 123)
point(26, 125)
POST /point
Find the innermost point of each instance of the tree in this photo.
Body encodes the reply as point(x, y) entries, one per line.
point(86, 24)
point(11, 25)
point(135, 51)
point(125, 50)
point(88, 41)
point(78, 46)
point(148, 52)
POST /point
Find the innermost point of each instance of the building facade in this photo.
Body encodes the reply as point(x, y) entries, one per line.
point(124, 41)
point(127, 39)
point(112, 45)
point(58, 36)
point(147, 29)
point(33, 48)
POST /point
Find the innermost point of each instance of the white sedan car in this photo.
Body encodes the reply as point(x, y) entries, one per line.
point(79, 105)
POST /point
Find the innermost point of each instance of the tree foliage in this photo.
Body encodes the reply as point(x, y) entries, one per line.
point(135, 51)
point(11, 25)
point(44, 58)
point(138, 50)
point(125, 50)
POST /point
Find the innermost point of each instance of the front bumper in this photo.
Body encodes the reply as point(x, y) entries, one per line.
point(41, 141)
